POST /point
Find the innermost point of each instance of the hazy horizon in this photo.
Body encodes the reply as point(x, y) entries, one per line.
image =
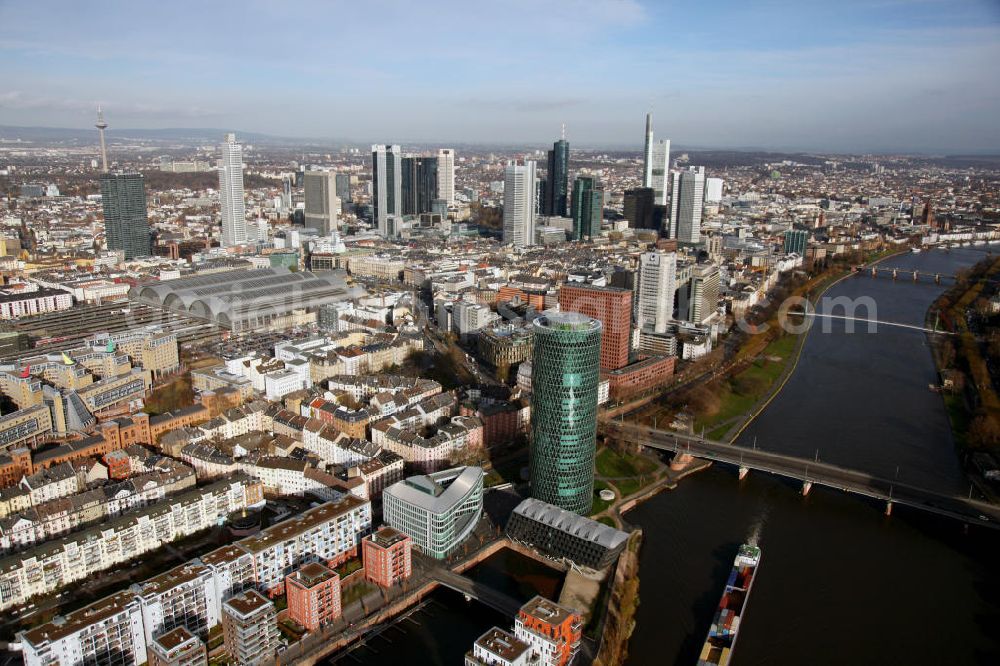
point(880, 76)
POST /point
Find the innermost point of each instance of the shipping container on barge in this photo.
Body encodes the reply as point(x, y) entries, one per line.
point(721, 641)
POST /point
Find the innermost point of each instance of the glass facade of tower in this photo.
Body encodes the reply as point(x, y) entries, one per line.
point(587, 208)
point(565, 375)
point(557, 180)
point(126, 226)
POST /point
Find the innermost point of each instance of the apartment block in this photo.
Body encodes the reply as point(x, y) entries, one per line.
point(250, 629)
point(387, 557)
point(313, 594)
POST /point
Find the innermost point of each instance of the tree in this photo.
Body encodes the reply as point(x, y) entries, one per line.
point(984, 431)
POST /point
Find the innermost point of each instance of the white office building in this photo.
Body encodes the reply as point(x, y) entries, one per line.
point(387, 185)
point(686, 201)
point(322, 205)
point(519, 204)
point(438, 511)
point(446, 175)
point(713, 190)
point(657, 286)
point(234, 217)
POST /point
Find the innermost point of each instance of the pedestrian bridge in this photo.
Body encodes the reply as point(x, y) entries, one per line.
point(809, 472)
point(495, 599)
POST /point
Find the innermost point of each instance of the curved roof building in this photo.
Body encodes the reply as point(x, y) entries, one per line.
point(246, 300)
point(565, 375)
point(438, 511)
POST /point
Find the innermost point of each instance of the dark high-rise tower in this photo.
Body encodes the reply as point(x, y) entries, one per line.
point(588, 208)
point(126, 226)
point(639, 203)
point(420, 184)
point(123, 195)
point(557, 180)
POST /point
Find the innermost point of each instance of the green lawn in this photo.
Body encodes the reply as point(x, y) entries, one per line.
point(744, 389)
point(612, 464)
point(354, 592)
point(607, 521)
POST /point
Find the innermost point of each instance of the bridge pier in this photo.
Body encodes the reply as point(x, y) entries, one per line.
point(743, 472)
point(888, 508)
point(806, 487)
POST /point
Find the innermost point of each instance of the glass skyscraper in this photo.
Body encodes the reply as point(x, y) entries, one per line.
point(419, 184)
point(565, 375)
point(126, 226)
point(588, 208)
point(557, 180)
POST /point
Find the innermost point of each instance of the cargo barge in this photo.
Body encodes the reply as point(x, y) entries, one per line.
point(721, 641)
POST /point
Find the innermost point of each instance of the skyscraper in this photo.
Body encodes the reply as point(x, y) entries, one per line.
point(126, 226)
point(702, 295)
point(687, 197)
point(656, 164)
point(387, 184)
point(638, 208)
point(647, 153)
point(446, 175)
point(588, 208)
point(322, 210)
point(123, 196)
point(344, 187)
point(419, 184)
point(519, 204)
point(612, 306)
point(657, 287)
point(234, 216)
point(565, 375)
point(557, 180)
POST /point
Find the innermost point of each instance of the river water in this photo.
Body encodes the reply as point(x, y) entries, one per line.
point(839, 582)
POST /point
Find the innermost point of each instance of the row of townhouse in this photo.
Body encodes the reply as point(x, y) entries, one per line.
point(53, 565)
point(333, 446)
point(363, 388)
point(450, 442)
point(58, 517)
point(252, 416)
point(122, 628)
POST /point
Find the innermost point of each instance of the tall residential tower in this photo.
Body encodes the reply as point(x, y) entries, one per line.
point(234, 216)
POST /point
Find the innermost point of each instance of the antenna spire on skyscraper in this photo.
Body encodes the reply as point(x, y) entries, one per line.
point(564, 131)
point(101, 126)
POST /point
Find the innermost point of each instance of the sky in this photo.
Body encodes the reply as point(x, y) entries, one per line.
point(915, 76)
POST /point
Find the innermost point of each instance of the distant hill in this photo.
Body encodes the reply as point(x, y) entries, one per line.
point(72, 136)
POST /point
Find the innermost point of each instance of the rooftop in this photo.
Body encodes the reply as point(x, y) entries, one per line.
point(571, 523)
point(246, 603)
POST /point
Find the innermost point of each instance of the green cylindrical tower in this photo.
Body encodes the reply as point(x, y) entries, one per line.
point(565, 374)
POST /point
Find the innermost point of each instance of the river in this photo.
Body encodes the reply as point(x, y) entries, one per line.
point(839, 582)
